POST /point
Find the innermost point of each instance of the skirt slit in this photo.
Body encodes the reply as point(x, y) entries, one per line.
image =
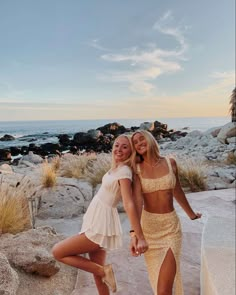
point(162, 232)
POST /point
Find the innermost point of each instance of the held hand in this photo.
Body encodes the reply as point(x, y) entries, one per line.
point(133, 245)
point(141, 247)
point(196, 216)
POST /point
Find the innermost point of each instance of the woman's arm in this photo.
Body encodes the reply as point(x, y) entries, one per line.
point(137, 195)
point(138, 200)
point(130, 208)
point(180, 195)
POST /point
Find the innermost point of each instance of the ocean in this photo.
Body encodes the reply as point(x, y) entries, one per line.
point(40, 132)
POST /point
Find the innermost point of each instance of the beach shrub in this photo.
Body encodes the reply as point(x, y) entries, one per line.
point(192, 174)
point(14, 209)
point(49, 177)
point(231, 158)
point(73, 166)
point(95, 169)
point(55, 163)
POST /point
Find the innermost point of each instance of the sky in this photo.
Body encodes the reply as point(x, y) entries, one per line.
point(107, 59)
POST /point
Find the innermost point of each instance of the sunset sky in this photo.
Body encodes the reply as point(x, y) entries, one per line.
point(74, 59)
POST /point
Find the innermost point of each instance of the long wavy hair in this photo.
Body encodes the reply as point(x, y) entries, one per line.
point(130, 161)
point(153, 151)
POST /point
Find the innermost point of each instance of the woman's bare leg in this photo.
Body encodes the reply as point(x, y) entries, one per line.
point(167, 274)
point(99, 257)
point(68, 251)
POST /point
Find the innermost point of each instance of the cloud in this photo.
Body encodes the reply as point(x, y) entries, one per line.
point(95, 44)
point(224, 76)
point(147, 63)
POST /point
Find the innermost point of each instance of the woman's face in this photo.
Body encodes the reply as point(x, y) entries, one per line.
point(140, 143)
point(121, 149)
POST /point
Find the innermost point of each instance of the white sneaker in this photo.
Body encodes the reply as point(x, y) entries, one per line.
point(109, 278)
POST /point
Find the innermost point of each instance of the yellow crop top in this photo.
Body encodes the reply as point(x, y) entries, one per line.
point(165, 182)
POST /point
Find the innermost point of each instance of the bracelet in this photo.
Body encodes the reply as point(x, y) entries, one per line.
point(132, 233)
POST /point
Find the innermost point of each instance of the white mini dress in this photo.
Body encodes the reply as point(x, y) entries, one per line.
point(101, 222)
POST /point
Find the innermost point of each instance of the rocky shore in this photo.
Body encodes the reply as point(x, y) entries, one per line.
point(97, 140)
point(27, 266)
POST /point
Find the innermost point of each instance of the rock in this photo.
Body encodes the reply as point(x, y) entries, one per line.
point(50, 148)
point(228, 130)
point(62, 283)
point(68, 199)
point(9, 281)
point(231, 140)
point(226, 176)
point(5, 155)
point(95, 133)
point(64, 139)
point(32, 158)
point(7, 137)
point(82, 138)
point(212, 131)
point(194, 134)
point(147, 126)
point(5, 169)
point(112, 128)
point(15, 151)
point(27, 252)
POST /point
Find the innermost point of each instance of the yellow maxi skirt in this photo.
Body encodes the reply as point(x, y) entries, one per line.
point(162, 232)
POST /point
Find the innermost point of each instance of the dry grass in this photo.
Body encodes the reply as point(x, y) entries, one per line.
point(73, 166)
point(49, 177)
point(14, 209)
point(55, 163)
point(192, 175)
point(97, 168)
point(231, 159)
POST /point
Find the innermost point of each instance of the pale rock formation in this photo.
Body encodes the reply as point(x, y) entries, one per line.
point(227, 131)
point(30, 250)
point(5, 169)
point(32, 158)
point(9, 281)
point(231, 139)
point(27, 251)
point(213, 131)
point(69, 198)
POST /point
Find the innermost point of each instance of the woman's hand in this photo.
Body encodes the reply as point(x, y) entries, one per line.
point(141, 247)
point(138, 247)
point(133, 245)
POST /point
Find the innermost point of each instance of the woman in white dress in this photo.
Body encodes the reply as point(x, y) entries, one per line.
point(101, 228)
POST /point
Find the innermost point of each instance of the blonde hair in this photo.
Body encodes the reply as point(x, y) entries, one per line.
point(130, 161)
point(153, 151)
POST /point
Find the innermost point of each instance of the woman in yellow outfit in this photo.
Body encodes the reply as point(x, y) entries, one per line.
point(155, 186)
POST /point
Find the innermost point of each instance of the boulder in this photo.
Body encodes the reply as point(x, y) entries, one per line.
point(7, 137)
point(64, 139)
point(32, 158)
point(147, 126)
point(32, 243)
point(27, 251)
point(231, 140)
point(213, 131)
point(227, 131)
point(5, 169)
point(68, 199)
point(112, 128)
point(5, 155)
point(9, 281)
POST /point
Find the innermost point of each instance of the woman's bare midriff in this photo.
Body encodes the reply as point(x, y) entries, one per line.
point(159, 201)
